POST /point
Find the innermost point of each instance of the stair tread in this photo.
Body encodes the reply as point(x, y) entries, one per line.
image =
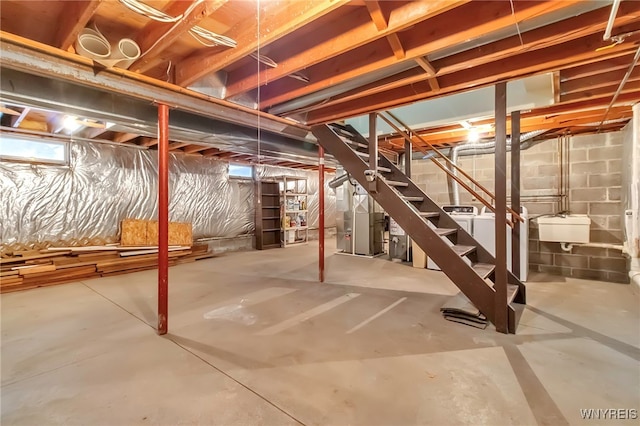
point(429, 214)
point(362, 154)
point(384, 169)
point(461, 250)
point(512, 292)
point(445, 231)
point(483, 269)
point(412, 198)
point(396, 183)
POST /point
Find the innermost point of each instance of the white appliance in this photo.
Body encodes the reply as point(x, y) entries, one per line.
point(464, 216)
point(484, 232)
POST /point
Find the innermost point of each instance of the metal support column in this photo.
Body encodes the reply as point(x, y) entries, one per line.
point(408, 154)
point(373, 150)
point(501, 314)
point(515, 191)
point(321, 211)
point(163, 219)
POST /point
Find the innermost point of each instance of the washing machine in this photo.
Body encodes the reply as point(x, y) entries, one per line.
point(464, 216)
point(484, 232)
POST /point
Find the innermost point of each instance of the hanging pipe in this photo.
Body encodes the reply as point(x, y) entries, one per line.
point(481, 148)
point(338, 180)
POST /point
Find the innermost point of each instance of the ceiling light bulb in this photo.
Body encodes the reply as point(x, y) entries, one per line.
point(473, 136)
point(71, 123)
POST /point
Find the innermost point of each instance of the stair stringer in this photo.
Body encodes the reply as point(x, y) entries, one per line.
point(479, 292)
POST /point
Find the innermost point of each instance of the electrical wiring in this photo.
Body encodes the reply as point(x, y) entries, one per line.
point(205, 37)
point(264, 59)
point(149, 11)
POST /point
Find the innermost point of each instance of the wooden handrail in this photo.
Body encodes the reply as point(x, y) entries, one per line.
point(449, 172)
point(515, 215)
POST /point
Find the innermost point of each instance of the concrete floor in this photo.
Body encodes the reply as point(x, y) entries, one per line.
point(255, 340)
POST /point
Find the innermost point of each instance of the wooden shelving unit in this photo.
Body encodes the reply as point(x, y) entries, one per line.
point(268, 218)
point(294, 200)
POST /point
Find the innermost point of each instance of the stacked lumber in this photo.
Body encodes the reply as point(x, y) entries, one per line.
point(57, 265)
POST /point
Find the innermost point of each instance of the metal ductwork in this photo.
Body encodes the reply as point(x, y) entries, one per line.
point(477, 149)
point(139, 116)
point(338, 180)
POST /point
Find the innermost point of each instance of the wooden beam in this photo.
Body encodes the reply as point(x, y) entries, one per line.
point(537, 119)
point(75, 15)
point(156, 36)
point(430, 70)
point(192, 149)
point(448, 29)
point(396, 46)
point(48, 61)
point(556, 87)
point(276, 21)
point(124, 137)
point(17, 119)
point(573, 53)
point(599, 67)
point(178, 145)
point(426, 66)
point(92, 133)
point(596, 81)
point(209, 152)
point(352, 37)
point(629, 87)
point(145, 141)
point(225, 154)
point(9, 111)
point(377, 15)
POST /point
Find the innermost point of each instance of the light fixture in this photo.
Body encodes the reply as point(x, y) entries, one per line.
point(473, 136)
point(71, 123)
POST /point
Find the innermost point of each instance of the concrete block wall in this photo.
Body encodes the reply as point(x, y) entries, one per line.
point(595, 189)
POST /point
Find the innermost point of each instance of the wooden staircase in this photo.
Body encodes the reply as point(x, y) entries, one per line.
point(433, 230)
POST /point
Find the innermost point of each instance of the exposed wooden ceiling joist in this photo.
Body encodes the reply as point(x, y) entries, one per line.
point(73, 18)
point(609, 90)
point(193, 149)
point(311, 52)
point(15, 122)
point(572, 53)
point(124, 137)
point(158, 36)
point(387, 54)
point(444, 30)
point(596, 81)
point(571, 29)
point(276, 21)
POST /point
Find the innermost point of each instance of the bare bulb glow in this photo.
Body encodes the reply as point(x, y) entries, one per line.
point(473, 136)
point(71, 123)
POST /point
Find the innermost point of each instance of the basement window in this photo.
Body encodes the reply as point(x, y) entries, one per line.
point(240, 171)
point(32, 151)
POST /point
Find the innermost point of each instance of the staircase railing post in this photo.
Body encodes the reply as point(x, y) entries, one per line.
point(500, 285)
point(321, 213)
point(408, 153)
point(373, 151)
point(515, 191)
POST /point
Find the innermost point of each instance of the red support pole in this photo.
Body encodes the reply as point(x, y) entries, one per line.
point(321, 210)
point(163, 219)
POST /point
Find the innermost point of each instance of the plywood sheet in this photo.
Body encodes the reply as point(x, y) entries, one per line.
point(180, 234)
point(152, 233)
point(134, 232)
